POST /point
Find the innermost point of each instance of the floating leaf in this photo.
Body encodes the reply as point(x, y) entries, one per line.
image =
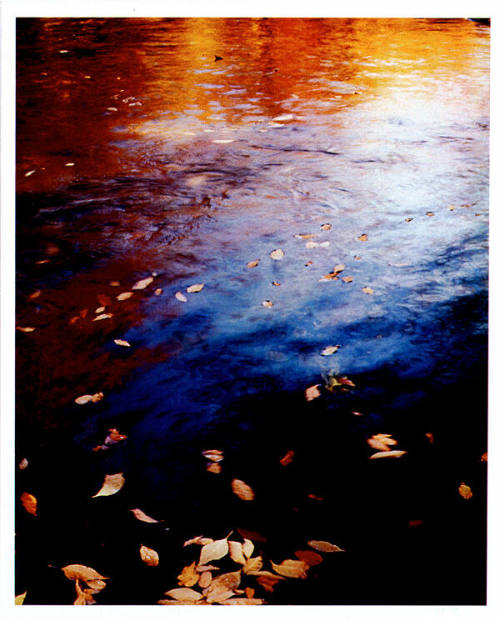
point(184, 594)
point(309, 557)
point(242, 490)
point(248, 547)
point(82, 572)
point(305, 236)
point(69, 163)
point(195, 288)
point(357, 257)
point(326, 227)
point(112, 484)
point(243, 601)
point(140, 515)
point(363, 237)
point(114, 283)
point(253, 263)
point(23, 464)
point(312, 392)
point(267, 303)
point(357, 413)
point(19, 599)
point(275, 283)
point(124, 296)
point(188, 576)
point(149, 556)
point(213, 455)
point(36, 294)
point(331, 349)
point(200, 540)
point(324, 546)
point(103, 316)
point(142, 284)
point(385, 454)
point(291, 568)
point(89, 398)
point(25, 329)
point(288, 458)
point(368, 290)
point(253, 564)
point(181, 297)
point(205, 579)
point(236, 552)
point(214, 468)
point(213, 551)
point(308, 264)
point(29, 502)
point(121, 342)
point(277, 254)
point(381, 442)
point(408, 219)
point(465, 491)
point(347, 278)
point(203, 568)
point(330, 276)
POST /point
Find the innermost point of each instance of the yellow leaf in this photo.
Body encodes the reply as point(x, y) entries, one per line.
point(242, 490)
point(112, 484)
point(149, 556)
point(82, 572)
point(242, 601)
point(142, 284)
point(288, 458)
point(29, 502)
point(213, 551)
point(124, 296)
point(248, 547)
point(312, 392)
point(368, 290)
point(277, 254)
point(181, 297)
point(184, 594)
point(253, 565)
point(324, 546)
point(331, 349)
point(188, 576)
point(121, 342)
point(253, 263)
point(291, 569)
point(195, 288)
point(347, 278)
point(384, 454)
point(214, 468)
point(465, 491)
point(236, 552)
point(381, 442)
point(213, 455)
point(20, 599)
point(205, 579)
point(140, 515)
point(363, 237)
point(267, 303)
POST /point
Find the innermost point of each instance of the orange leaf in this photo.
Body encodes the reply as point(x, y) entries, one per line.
point(253, 565)
point(214, 468)
point(82, 572)
point(188, 576)
point(381, 442)
point(309, 557)
point(312, 392)
point(465, 491)
point(29, 502)
point(291, 569)
point(149, 556)
point(140, 515)
point(213, 455)
point(384, 454)
point(324, 546)
point(242, 490)
point(253, 263)
point(288, 458)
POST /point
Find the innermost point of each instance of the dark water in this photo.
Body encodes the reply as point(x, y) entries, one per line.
point(385, 135)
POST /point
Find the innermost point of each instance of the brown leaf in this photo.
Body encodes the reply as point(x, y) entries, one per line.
point(288, 458)
point(309, 557)
point(253, 263)
point(112, 484)
point(213, 551)
point(142, 284)
point(195, 288)
point(184, 594)
point(213, 455)
point(408, 219)
point(331, 349)
point(236, 552)
point(465, 491)
point(121, 342)
point(82, 572)
point(205, 579)
point(384, 454)
point(140, 515)
point(381, 442)
point(181, 297)
point(363, 237)
point(368, 290)
point(29, 502)
point(214, 468)
point(124, 296)
point(251, 534)
point(312, 392)
point(95, 586)
point(188, 576)
point(249, 592)
point(277, 254)
point(253, 565)
point(242, 601)
point(324, 546)
point(291, 568)
point(242, 490)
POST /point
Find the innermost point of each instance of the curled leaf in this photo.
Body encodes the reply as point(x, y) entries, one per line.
point(213, 455)
point(23, 464)
point(213, 551)
point(188, 576)
point(277, 254)
point(200, 540)
point(142, 284)
point(385, 454)
point(142, 517)
point(242, 490)
point(291, 569)
point(324, 546)
point(195, 288)
point(112, 484)
point(29, 502)
point(84, 596)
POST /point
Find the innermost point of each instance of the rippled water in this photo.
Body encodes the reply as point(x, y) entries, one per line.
point(186, 148)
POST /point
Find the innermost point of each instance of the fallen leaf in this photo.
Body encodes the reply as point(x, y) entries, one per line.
point(267, 303)
point(363, 237)
point(308, 264)
point(89, 398)
point(181, 297)
point(384, 454)
point(309, 557)
point(242, 601)
point(347, 278)
point(368, 290)
point(26, 329)
point(96, 585)
point(330, 276)
point(291, 569)
point(331, 349)
point(222, 587)
point(429, 213)
point(311, 244)
point(324, 546)
point(222, 141)
point(23, 464)
point(103, 316)
point(284, 117)
point(277, 254)
point(205, 579)
point(214, 468)
point(101, 309)
point(253, 564)
point(84, 597)
point(112, 484)
point(184, 594)
point(82, 572)
point(140, 515)
point(195, 288)
point(29, 502)
point(236, 552)
point(121, 342)
point(288, 458)
point(203, 568)
point(484, 457)
point(114, 283)
point(200, 540)
point(19, 599)
point(188, 576)
point(465, 491)
point(408, 219)
point(312, 392)
point(142, 284)
point(249, 592)
point(326, 227)
point(149, 556)
point(430, 437)
point(158, 291)
point(305, 236)
point(114, 436)
point(381, 442)
point(69, 163)
point(29, 173)
point(357, 257)
point(242, 490)
point(268, 581)
point(124, 296)
point(36, 294)
point(213, 455)
point(314, 497)
point(275, 283)
point(253, 263)
point(248, 547)
point(213, 551)
point(251, 534)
